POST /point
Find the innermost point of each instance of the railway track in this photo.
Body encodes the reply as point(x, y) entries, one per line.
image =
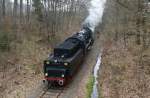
point(53, 92)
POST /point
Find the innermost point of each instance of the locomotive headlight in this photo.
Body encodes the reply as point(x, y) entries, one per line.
point(46, 74)
point(65, 64)
point(62, 75)
point(47, 62)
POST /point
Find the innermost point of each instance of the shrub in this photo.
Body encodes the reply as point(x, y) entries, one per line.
point(4, 41)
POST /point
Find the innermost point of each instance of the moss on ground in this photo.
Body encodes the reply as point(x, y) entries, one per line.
point(89, 86)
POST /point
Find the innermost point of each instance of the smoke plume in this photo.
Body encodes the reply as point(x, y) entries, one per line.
point(96, 10)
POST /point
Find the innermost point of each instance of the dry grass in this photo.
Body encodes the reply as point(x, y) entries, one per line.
point(124, 74)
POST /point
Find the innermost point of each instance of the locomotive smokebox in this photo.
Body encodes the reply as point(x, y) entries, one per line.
point(87, 29)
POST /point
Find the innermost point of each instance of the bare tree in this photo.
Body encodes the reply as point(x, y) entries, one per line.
point(15, 10)
point(21, 11)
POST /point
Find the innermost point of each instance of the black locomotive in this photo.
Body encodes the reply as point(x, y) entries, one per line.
point(67, 57)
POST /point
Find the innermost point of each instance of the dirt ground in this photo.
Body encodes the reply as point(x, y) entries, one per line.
point(122, 74)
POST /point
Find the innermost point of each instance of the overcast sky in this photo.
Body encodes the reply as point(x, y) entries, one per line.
point(24, 1)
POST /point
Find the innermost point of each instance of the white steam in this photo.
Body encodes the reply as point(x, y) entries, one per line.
point(95, 14)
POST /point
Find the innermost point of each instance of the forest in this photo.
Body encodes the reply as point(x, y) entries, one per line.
point(30, 29)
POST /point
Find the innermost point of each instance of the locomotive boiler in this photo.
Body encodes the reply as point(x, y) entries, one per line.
point(67, 57)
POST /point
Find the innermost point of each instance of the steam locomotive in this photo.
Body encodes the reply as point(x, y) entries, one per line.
point(67, 57)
